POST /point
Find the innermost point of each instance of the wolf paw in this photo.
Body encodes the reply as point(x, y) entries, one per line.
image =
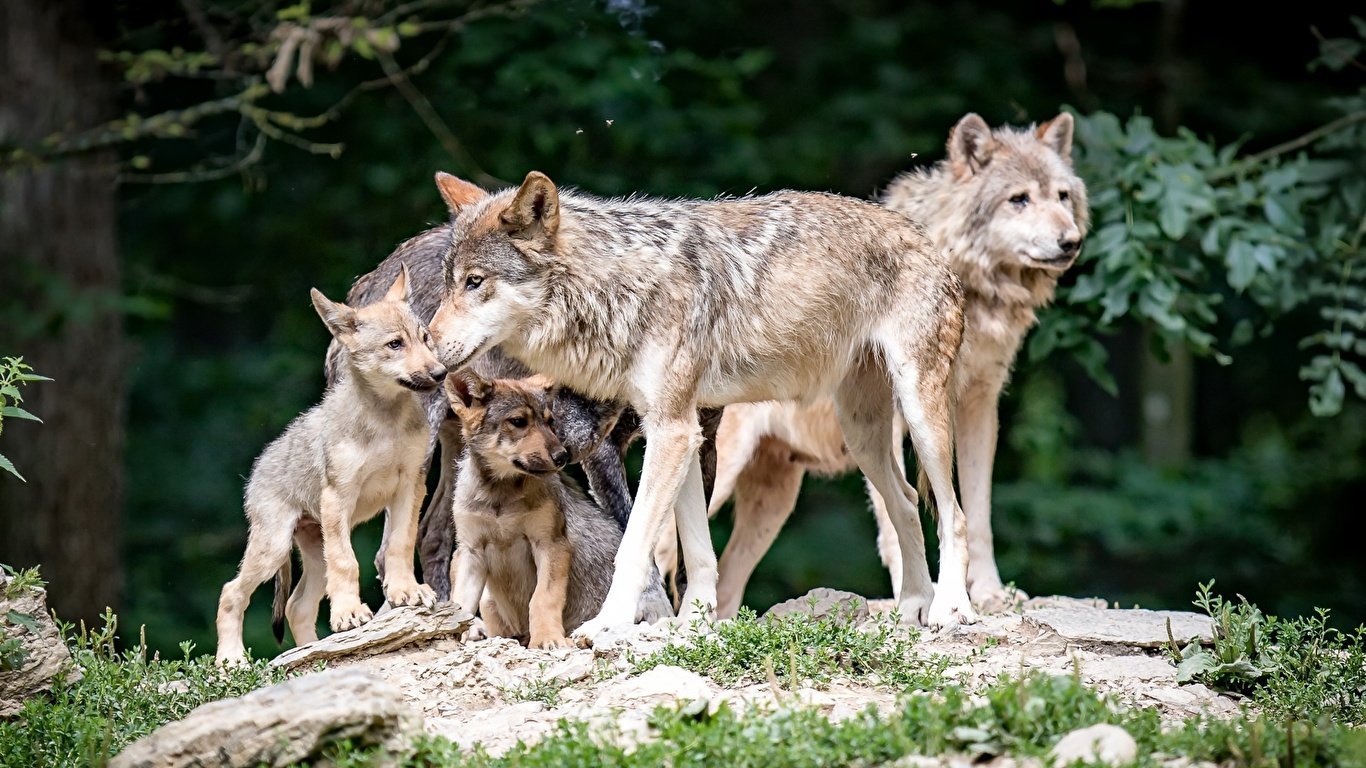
point(547, 643)
point(411, 594)
point(350, 616)
point(915, 609)
point(231, 658)
point(589, 630)
point(951, 608)
point(475, 633)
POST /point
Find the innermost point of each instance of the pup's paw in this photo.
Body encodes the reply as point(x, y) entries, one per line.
point(410, 593)
point(475, 633)
point(951, 608)
point(915, 608)
point(349, 616)
point(231, 658)
point(547, 643)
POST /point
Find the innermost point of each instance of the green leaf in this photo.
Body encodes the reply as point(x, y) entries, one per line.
point(1242, 264)
point(9, 467)
point(22, 620)
point(1195, 665)
point(31, 377)
point(15, 412)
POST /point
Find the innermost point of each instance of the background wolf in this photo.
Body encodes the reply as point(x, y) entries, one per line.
point(1010, 213)
point(671, 305)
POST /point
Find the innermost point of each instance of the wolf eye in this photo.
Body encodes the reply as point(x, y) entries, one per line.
point(395, 344)
point(518, 421)
point(1064, 195)
point(1021, 199)
point(473, 281)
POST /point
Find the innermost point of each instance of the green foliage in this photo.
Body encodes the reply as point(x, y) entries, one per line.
point(795, 649)
point(120, 697)
point(1294, 669)
point(17, 582)
point(1186, 234)
point(1021, 717)
point(14, 373)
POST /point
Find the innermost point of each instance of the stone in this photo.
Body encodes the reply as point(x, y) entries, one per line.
point(281, 725)
point(821, 602)
point(41, 654)
point(395, 628)
point(1101, 743)
point(661, 684)
point(1133, 627)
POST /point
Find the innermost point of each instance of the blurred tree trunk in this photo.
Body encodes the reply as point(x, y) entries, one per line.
point(1168, 387)
point(59, 269)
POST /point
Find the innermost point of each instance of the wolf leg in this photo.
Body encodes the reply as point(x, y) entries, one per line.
point(552, 556)
point(302, 608)
point(400, 586)
point(436, 535)
point(469, 573)
point(268, 542)
point(765, 495)
point(343, 573)
point(865, 408)
point(976, 427)
point(887, 546)
point(699, 557)
point(670, 443)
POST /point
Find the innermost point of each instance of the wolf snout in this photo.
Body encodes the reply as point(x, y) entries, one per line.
point(1069, 245)
point(560, 457)
point(437, 373)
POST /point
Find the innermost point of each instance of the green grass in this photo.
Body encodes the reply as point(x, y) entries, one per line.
point(120, 697)
point(1293, 669)
point(792, 649)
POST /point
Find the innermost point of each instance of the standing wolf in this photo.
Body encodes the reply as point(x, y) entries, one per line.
point(1010, 213)
point(671, 305)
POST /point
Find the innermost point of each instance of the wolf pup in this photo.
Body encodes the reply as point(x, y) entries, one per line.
point(537, 550)
point(361, 450)
point(1010, 212)
point(669, 305)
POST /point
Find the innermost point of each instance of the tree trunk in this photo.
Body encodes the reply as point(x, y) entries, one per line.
point(59, 286)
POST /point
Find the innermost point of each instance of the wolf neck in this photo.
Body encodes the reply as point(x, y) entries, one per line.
point(391, 402)
point(995, 282)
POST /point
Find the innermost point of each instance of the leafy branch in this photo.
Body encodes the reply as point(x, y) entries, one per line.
point(14, 373)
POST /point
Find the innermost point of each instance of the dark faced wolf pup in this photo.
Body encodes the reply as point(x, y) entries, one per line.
point(533, 552)
point(361, 450)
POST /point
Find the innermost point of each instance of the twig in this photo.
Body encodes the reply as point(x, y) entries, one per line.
point(181, 177)
point(1324, 42)
point(1290, 146)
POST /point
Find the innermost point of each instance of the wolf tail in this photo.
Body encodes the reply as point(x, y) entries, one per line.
point(284, 581)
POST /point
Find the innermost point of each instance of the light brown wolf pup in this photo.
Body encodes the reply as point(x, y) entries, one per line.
point(362, 449)
point(532, 544)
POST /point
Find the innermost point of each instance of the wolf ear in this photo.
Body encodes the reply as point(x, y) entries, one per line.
point(457, 193)
point(970, 145)
point(339, 318)
point(535, 211)
point(465, 389)
point(1057, 133)
point(399, 290)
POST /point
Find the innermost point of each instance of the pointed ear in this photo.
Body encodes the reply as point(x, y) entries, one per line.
point(1057, 133)
point(970, 145)
point(339, 318)
point(457, 193)
point(466, 389)
point(535, 211)
point(399, 290)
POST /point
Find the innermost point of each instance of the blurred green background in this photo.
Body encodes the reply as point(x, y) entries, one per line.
point(679, 98)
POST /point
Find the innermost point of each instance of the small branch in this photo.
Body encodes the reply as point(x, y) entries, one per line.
point(1325, 42)
point(209, 174)
point(1290, 146)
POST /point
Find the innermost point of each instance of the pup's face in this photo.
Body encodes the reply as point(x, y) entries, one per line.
point(386, 341)
point(496, 270)
point(508, 425)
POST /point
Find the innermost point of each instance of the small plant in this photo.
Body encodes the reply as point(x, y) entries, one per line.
point(14, 372)
point(16, 584)
point(792, 648)
point(543, 689)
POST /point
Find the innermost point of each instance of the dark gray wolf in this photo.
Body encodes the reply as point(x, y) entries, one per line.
point(359, 451)
point(1010, 213)
point(672, 305)
point(534, 554)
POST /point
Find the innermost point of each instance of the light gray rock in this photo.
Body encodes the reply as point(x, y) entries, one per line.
point(1135, 627)
point(41, 656)
point(280, 725)
point(823, 601)
point(1101, 743)
point(392, 629)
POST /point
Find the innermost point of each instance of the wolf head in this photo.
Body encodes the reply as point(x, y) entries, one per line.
point(495, 273)
point(386, 343)
point(508, 425)
point(1030, 201)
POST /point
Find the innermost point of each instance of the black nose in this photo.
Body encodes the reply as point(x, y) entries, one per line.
point(438, 373)
point(1069, 247)
point(560, 457)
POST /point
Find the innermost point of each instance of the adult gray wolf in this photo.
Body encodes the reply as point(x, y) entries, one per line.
point(1008, 210)
point(584, 426)
point(530, 543)
point(337, 465)
point(672, 305)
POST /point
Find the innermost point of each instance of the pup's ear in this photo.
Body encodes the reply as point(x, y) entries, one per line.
point(466, 389)
point(970, 145)
point(399, 290)
point(339, 318)
point(535, 211)
point(457, 193)
point(1057, 134)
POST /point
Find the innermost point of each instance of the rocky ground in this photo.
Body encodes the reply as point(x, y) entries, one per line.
point(488, 692)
